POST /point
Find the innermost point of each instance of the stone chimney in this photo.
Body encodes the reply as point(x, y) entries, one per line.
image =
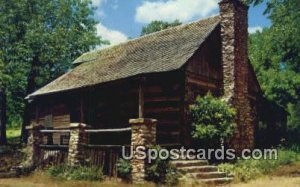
point(234, 34)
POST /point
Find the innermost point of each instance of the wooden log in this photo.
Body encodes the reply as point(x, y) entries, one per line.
point(160, 110)
point(162, 99)
point(55, 131)
point(201, 83)
point(108, 130)
point(174, 133)
point(168, 122)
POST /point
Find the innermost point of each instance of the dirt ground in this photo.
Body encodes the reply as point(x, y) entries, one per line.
point(40, 181)
point(285, 176)
point(271, 182)
point(10, 156)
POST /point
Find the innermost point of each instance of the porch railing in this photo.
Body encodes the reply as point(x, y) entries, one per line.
point(72, 146)
point(105, 156)
point(55, 152)
point(54, 146)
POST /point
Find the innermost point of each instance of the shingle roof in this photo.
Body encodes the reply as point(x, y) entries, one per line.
point(162, 51)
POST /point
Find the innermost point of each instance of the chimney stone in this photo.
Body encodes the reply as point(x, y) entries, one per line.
point(234, 34)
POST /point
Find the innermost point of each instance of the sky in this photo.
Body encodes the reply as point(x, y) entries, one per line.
point(120, 20)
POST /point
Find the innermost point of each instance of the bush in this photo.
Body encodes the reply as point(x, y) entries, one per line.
point(162, 171)
point(124, 169)
point(293, 123)
point(295, 147)
point(245, 170)
point(212, 119)
point(76, 173)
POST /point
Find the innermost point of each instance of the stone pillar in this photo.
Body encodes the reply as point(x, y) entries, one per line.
point(143, 134)
point(35, 139)
point(78, 139)
point(234, 34)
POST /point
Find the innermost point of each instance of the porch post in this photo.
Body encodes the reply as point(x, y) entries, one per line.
point(143, 134)
point(35, 139)
point(141, 98)
point(78, 139)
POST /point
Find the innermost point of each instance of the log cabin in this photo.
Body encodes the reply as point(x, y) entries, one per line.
point(158, 76)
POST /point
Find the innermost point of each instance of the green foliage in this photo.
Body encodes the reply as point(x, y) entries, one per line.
point(155, 26)
point(124, 168)
point(295, 148)
point(39, 40)
point(255, 2)
point(245, 170)
point(212, 119)
point(279, 81)
point(275, 55)
point(161, 171)
point(76, 173)
point(4, 78)
point(293, 125)
point(13, 135)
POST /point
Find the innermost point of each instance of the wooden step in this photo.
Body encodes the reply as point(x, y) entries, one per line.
point(187, 163)
point(209, 175)
point(9, 174)
point(201, 171)
point(223, 180)
point(196, 169)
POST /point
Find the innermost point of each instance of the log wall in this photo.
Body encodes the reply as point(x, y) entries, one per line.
point(52, 113)
point(115, 104)
point(203, 74)
point(163, 99)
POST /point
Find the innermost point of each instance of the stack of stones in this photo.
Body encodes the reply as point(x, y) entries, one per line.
point(34, 140)
point(78, 139)
point(234, 25)
point(143, 134)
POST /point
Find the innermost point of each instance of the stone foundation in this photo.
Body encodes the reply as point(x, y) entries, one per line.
point(78, 140)
point(35, 139)
point(143, 134)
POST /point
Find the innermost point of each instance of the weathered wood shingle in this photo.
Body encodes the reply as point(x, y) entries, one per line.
point(163, 51)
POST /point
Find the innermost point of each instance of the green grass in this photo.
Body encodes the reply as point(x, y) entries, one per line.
point(13, 135)
point(246, 170)
point(84, 173)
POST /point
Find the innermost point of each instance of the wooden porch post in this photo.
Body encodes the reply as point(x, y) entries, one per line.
point(141, 98)
point(81, 110)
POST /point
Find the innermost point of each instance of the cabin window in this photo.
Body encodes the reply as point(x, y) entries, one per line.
point(49, 121)
point(64, 139)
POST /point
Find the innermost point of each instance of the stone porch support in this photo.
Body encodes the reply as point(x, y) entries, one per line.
point(78, 140)
point(143, 134)
point(35, 139)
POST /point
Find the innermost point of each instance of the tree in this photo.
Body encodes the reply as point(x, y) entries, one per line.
point(275, 55)
point(40, 40)
point(4, 78)
point(293, 126)
point(3, 117)
point(155, 26)
point(212, 120)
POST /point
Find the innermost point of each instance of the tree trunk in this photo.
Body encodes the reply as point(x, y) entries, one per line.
point(3, 118)
point(31, 87)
